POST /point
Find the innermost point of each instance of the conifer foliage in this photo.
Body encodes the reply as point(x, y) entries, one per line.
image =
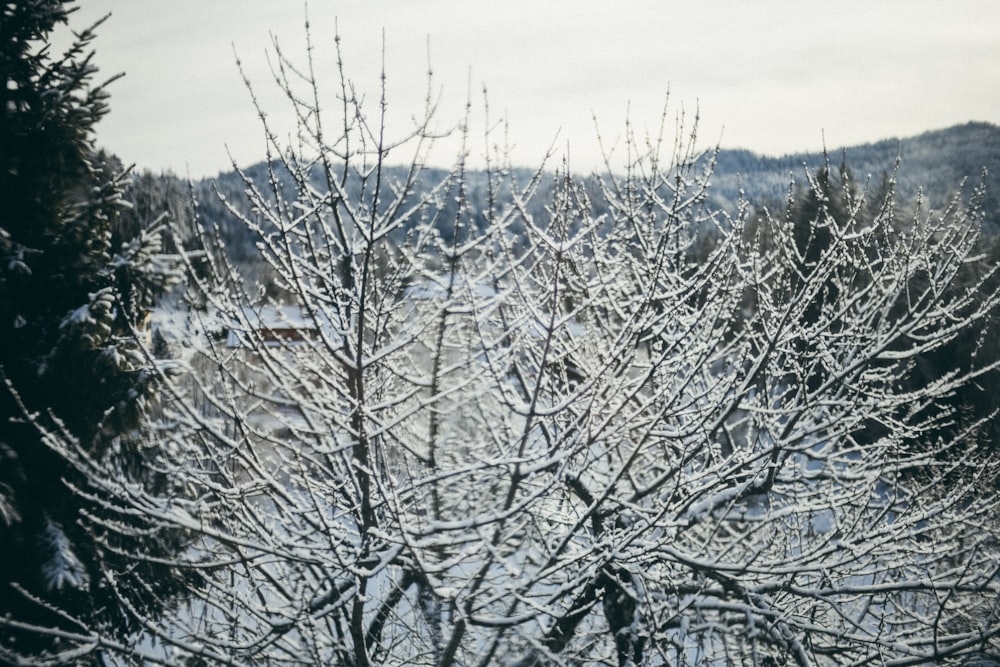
point(71, 301)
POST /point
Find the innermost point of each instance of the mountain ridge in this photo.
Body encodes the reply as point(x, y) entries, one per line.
point(935, 162)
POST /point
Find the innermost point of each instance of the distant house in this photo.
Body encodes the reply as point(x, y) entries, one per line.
point(272, 326)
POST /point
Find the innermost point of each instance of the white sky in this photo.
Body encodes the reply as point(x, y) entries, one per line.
point(775, 76)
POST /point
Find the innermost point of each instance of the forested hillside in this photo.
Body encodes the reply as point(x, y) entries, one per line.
point(933, 164)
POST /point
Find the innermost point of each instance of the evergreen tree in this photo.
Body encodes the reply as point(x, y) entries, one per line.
point(72, 298)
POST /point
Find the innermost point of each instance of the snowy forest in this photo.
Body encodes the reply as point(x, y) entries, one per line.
point(709, 408)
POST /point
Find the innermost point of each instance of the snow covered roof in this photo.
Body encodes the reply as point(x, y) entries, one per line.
point(272, 325)
point(437, 288)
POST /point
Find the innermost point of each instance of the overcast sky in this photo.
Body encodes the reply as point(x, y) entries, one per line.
point(774, 76)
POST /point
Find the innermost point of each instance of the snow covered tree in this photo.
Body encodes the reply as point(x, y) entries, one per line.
point(72, 303)
point(479, 435)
